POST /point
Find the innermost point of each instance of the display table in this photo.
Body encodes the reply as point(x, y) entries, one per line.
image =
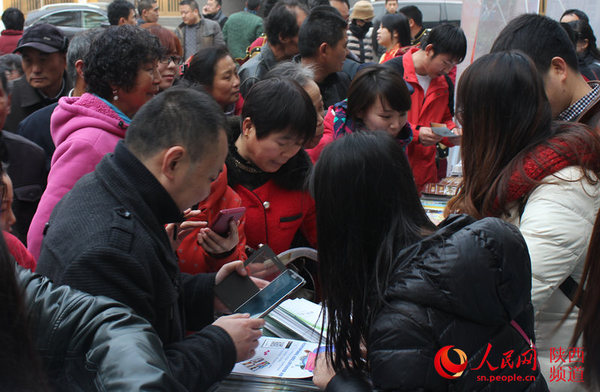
point(240, 382)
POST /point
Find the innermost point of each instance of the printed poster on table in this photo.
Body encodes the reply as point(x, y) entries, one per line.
point(283, 358)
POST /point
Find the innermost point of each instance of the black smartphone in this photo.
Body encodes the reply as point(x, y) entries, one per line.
point(268, 298)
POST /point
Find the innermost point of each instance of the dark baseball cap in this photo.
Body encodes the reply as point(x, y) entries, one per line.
point(43, 37)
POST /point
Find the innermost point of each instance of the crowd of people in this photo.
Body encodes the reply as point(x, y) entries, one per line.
point(120, 147)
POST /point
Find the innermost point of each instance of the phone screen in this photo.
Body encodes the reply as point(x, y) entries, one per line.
point(272, 295)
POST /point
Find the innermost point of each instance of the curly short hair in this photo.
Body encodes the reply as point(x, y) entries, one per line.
point(116, 56)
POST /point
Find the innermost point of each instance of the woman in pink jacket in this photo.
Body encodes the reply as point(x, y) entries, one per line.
point(121, 71)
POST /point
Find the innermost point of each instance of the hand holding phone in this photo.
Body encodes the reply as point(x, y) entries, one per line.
point(441, 129)
point(221, 223)
point(216, 244)
point(269, 297)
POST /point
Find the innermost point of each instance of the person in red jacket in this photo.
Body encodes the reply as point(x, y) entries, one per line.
point(426, 69)
point(267, 166)
point(7, 219)
point(13, 20)
point(203, 250)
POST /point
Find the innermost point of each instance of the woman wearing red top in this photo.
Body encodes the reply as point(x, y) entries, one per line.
point(267, 166)
point(7, 219)
point(394, 35)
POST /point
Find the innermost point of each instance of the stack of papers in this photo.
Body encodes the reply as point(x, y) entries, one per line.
point(296, 319)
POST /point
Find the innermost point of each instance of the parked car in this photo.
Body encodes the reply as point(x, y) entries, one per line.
point(70, 18)
point(434, 11)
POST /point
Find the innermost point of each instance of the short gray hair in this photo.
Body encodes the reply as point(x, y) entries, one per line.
point(291, 70)
point(78, 48)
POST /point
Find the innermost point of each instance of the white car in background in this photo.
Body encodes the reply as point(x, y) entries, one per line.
point(434, 11)
point(70, 18)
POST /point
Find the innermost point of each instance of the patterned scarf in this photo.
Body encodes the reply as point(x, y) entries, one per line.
point(544, 161)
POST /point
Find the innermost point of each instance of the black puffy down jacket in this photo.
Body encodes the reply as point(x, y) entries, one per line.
point(459, 287)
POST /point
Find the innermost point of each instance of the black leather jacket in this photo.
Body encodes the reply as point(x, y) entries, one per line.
point(255, 69)
point(92, 343)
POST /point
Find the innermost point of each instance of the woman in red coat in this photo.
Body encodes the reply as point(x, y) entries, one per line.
point(267, 166)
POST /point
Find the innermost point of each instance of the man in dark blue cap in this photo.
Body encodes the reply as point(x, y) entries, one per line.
point(43, 48)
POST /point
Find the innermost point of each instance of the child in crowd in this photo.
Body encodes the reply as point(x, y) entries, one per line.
point(378, 100)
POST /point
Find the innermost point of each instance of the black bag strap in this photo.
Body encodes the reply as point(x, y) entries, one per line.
point(450, 94)
point(569, 288)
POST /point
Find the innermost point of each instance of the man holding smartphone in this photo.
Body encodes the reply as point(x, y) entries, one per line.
point(114, 219)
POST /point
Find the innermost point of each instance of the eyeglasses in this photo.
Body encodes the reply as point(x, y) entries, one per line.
point(176, 59)
point(449, 64)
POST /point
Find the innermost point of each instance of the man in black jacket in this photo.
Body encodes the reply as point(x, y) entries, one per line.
point(281, 26)
point(43, 48)
point(322, 41)
point(107, 235)
point(212, 10)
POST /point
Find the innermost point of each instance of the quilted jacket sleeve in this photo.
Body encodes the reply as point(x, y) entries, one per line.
point(451, 290)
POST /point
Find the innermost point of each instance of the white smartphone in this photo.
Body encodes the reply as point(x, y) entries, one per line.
point(268, 298)
point(443, 131)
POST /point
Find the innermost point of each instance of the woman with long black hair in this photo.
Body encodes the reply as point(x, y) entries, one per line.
point(399, 290)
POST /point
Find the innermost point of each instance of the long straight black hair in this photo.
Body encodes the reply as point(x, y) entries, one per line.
point(368, 210)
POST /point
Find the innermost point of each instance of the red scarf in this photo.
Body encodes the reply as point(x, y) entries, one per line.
point(544, 161)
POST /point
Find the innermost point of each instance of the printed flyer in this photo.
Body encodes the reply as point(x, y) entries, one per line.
point(283, 358)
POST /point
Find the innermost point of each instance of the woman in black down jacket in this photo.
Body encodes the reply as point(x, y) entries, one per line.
point(399, 290)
